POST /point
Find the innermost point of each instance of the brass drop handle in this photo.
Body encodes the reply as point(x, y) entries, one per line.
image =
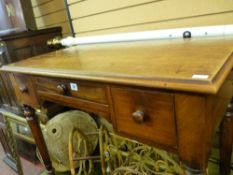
point(139, 116)
point(23, 89)
point(62, 88)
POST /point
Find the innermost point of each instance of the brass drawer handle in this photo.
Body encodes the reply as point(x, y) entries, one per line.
point(139, 116)
point(62, 88)
point(23, 89)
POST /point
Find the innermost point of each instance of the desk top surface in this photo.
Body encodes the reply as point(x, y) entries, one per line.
point(196, 65)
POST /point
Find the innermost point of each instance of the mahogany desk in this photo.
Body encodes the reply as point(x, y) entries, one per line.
point(170, 94)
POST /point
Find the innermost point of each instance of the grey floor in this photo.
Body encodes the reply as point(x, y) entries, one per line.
point(28, 167)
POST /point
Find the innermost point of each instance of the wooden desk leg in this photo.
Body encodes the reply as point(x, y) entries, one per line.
point(37, 134)
point(226, 141)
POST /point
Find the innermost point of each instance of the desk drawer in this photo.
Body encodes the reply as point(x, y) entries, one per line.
point(24, 89)
point(79, 89)
point(146, 115)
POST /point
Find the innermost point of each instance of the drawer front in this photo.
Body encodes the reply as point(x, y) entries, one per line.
point(145, 115)
point(79, 89)
point(24, 90)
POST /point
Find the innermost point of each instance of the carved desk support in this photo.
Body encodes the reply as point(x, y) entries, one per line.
point(37, 134)
point(226, 141)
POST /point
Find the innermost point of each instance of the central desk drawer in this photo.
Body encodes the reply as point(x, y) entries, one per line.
point(145, 115)
point(72, 88)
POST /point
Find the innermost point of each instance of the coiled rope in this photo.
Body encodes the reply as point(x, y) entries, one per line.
point(122, 156)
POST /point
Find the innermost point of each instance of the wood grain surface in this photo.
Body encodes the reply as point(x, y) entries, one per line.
point(167, 64)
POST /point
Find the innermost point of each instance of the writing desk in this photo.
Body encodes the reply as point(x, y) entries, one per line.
point(170, 94)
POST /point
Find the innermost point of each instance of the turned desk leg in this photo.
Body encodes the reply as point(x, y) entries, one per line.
point(37, 134)
point(226, 141)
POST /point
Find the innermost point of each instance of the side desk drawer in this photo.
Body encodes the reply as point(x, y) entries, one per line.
point(78, 89)
point(145, 115)
point(24, 89)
